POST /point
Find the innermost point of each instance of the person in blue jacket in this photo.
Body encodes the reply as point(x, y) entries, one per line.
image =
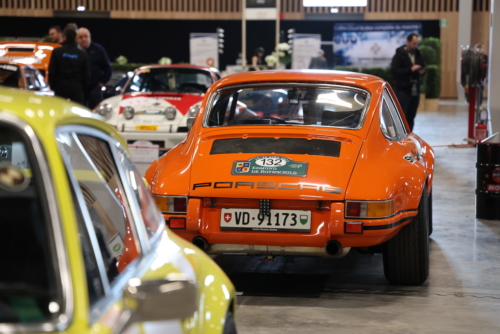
point(69, 69)
point(100, 67)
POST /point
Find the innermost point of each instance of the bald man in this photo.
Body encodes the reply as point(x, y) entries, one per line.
point(100, 67)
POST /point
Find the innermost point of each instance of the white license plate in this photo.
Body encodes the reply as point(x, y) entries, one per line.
point(277, 221)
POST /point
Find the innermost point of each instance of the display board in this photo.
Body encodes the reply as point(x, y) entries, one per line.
point(305, 46)
point(370, 44)
point(204, 49)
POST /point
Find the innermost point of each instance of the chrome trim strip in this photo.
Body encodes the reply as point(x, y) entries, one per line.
point(322, 85)
point(86, 217)
point(66, 316)
point(389, 97)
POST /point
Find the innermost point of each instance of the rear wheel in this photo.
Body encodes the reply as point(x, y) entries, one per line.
point(430, 213)
point(406, 256)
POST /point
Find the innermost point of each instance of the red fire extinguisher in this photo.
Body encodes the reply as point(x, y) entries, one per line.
point(481, 132)
point(481, 128)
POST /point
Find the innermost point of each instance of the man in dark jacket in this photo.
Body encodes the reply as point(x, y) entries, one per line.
point(319, 62)
point(407, 68)
point(69, 69)
point(100, 67)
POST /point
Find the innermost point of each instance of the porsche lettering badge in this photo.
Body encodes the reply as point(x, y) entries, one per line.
point(268, 186)
point(269, 165)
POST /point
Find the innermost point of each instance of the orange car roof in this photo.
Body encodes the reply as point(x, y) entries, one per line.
point(176, 65)
point(361, 80)
point(36, 54)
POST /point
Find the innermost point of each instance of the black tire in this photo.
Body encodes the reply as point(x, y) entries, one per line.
point(430, 214)
point(229, 324)
point(406, 256)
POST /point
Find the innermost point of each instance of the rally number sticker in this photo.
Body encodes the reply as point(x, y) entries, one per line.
point(270, 165)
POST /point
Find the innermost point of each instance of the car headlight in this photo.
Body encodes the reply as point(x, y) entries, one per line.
point(369, 209)
point(105, 110)
point(128, 112)
point(170, 113)
point(193, 111)
point(171, 204)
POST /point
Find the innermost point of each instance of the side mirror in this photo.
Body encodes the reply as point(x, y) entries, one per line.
point(189, 122)
point(172, 298)
point(192, 113)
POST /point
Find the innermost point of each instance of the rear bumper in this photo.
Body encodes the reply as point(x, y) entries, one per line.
point(327, 225)
point(272, 250)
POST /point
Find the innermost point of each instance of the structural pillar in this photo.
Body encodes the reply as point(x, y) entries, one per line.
point(494, 68)
point(464, 38)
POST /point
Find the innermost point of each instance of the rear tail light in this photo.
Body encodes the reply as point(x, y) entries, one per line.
point(369, 209)
point(177, 222)
point(354, 227)
point(171, 204)
point(180, 204)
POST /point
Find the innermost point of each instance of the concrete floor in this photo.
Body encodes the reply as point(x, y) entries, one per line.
point(351, 295)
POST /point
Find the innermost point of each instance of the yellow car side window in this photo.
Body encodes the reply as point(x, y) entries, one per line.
point(90, 162)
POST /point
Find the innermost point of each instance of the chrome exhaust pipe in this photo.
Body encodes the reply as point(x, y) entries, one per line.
point(333, 247)
point(201, 243)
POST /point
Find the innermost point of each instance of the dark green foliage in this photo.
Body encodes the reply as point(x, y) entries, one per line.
point(433, 82)
point(126, 67)
point(346, 68)
point(429, 55)
point(376, 71)
point(435, 44)
point(388, 76)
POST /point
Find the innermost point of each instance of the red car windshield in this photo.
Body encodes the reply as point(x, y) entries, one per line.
point(170, 79)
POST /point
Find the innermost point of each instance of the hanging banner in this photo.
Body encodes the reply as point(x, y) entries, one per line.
point(204, 49)
point(260, 10)
point(305, 46)
point(370, 44)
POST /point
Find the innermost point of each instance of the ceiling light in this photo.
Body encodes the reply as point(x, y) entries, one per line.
point(335, 3)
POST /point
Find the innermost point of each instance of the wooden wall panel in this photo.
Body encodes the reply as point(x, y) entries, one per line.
point(481, 29)
point(291, 9)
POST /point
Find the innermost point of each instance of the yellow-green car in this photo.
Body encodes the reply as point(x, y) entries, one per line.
point(83, 247)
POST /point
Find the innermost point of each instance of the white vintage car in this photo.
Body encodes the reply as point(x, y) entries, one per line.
point(152, 110)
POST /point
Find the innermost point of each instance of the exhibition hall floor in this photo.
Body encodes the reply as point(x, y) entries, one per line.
point(351, 295)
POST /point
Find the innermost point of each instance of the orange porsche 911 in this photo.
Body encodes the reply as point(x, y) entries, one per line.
point(315, 163)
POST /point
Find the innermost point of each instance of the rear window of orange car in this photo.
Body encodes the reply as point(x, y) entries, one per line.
point(293, 105)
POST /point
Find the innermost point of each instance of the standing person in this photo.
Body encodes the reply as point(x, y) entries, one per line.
point(69, 69)
point(319, 62)
point(257, 58)
point(100, 67)
point(55, 34)
point(407, 68)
